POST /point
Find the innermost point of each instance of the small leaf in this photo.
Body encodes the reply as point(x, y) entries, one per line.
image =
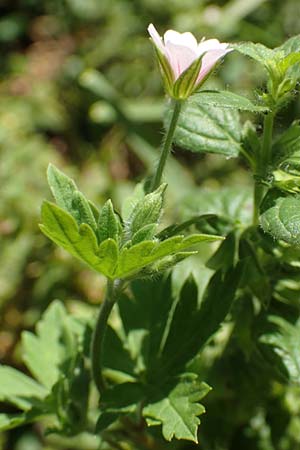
point(282, 220)
point(109, 223)
point(83, 210)
point(205, 128)
point(62, 188)
point(227, 99)
point(145, 233)
point(177, 407)
point(130, 202)
point(140, 255)
point(147, 211)
point(108, 256)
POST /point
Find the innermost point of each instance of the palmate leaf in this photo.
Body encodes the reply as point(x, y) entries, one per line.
point(81, 242)
point(160, 334)
point(206, 128)
point(282, 219)
point(176, 406)
point(56, 348)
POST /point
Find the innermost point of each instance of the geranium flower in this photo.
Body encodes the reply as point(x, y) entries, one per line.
point(185, 64)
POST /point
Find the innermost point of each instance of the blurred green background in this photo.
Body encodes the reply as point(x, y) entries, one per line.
point(79, 87)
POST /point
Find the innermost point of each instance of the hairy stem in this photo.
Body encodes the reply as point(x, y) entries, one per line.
point(167, 144)
point(113, 288)
point(263, 163)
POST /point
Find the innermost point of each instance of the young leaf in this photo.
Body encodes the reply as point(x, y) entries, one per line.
point(62, 188)
point(145, 233)
point(108, 223)
point(69, 198)
point(203, 128)
point(227, 99)
point(147, 211)
point(148, 252)
point(83, 210)
point(176, 407)
point(282, 220)
point(130, 203)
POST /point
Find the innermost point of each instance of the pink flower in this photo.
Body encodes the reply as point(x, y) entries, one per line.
point(185, 63)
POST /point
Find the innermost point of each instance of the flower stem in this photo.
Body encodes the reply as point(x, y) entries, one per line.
point(167, 143)
point(113, 288)
point(262, 165)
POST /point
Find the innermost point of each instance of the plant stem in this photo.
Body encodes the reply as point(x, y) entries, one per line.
point(262, 165)
point(167, 143)
point(113, 288)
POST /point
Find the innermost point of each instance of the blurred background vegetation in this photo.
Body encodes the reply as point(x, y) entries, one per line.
point(79, 87)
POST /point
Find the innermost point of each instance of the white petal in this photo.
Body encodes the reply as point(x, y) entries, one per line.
point(211, 44)
point(156, 38)
point(180, 58)
point(185, 39)
point(209, 60)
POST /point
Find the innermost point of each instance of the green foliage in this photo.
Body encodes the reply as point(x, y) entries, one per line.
point(55, 357)
point(227, 100)
point(154, 323)
point(285, 342)
point(282, 219)
point(108, 249)
point(202, 128)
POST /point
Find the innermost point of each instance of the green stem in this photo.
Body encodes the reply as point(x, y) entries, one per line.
point(113, 288)
point(262, 165)
point(167, 143)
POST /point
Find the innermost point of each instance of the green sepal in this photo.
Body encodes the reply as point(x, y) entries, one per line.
point(109, 226)
point(167, 72)
point(185, 84)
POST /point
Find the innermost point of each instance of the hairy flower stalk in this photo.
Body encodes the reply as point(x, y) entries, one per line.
point(185, 65)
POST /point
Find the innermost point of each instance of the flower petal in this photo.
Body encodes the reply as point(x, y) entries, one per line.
point(209, 60)
point(211, 44)
point(156, 38)
point(184, 39)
